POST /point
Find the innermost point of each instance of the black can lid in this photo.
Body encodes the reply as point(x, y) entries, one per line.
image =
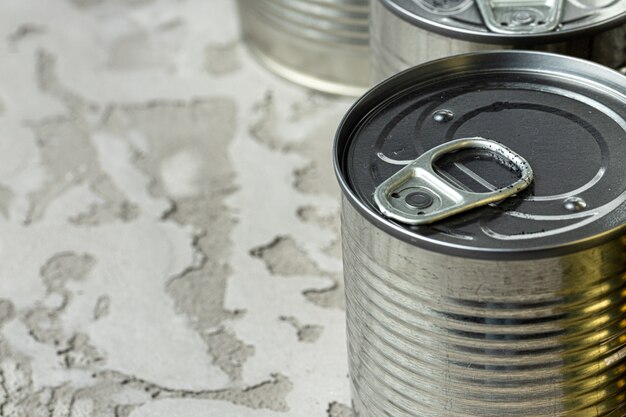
point(524, 23)
point(565, 116)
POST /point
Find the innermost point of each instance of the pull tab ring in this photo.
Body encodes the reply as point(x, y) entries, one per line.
point(417, 195)
point(521, 16)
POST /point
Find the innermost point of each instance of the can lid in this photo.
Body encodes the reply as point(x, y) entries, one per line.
point(565, 116)
point(511, 22)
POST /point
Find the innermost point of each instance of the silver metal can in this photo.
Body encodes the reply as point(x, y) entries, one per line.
point(514, 308)
point(405, 33)
point(321, 44)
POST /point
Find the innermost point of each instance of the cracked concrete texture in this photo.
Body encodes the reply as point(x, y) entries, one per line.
point(316, 176)
point(283, 257)
point(222, 58)
point(102, 306)
point(69, 158)
point(188, 164)
point(169, 219)
point(339, 410)
point(307, 333)
point(6, 311)
point(327, 219)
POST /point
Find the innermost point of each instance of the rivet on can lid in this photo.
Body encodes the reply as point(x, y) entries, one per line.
point(523, 17)
point(419, 199)
point(574, 204)
point(443, 115)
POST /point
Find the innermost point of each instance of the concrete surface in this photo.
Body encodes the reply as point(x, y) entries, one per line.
point(169, 219)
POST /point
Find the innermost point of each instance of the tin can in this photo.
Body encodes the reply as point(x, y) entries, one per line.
point(405, 33)
point(514, 307)
point(321, 44)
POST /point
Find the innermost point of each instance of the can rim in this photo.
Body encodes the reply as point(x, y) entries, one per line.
point(498, 38)
point(398, 83)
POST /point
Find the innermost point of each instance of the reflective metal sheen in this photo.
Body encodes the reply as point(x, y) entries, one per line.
point(452, 320)
point(321, 44)
point(417, 194)
point(435, 335)
point(405, 33)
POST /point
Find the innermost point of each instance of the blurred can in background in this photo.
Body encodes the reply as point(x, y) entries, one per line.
point(515, 308)
point(321, 44)
point(405, 33)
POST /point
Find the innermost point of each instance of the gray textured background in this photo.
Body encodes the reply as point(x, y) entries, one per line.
point(169, 238)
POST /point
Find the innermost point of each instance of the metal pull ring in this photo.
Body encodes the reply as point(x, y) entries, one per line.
point(418, 195)
point(521, 16)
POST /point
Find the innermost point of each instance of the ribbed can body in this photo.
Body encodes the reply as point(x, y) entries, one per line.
point(396, 44)
point(436, 335)
point(321, 44)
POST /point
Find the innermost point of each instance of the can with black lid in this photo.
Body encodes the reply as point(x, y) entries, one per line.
point(484, 233)
point(405, 33)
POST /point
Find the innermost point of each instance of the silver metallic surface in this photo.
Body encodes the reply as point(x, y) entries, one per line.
point(321, 44)
point(444, 199)
point(534, 16)
point(397, 43)
point(443, 336)
point(465, 329)
point(465, 19)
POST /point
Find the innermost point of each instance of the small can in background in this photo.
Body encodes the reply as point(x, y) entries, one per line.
point(405, 33)
point(321, 44)
point(514, 308)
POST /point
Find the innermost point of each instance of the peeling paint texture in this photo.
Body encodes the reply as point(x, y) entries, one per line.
point(169, 219)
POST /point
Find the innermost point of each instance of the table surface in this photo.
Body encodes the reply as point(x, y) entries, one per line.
point(169, 219)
